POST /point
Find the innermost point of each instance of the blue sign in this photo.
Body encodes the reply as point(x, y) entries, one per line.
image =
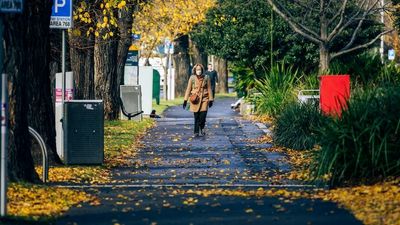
point(168, 47)
point(136, 36)
point(11, 6)
point(61, 14)
point(391, 54)
point(132, 59)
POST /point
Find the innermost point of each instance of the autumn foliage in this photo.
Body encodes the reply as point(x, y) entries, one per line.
point(161, 19)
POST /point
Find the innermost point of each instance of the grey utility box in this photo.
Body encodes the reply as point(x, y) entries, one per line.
point(131, 97)
point(83, 132)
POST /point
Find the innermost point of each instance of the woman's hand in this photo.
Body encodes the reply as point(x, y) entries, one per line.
point(184, 104)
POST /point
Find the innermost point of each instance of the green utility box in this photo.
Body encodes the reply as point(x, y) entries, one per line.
point(156, 86)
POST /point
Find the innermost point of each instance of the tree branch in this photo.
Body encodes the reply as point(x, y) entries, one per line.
point(296, 27)
point(342, 52)
point(353, 19)
point(353, 37)
point(291, 17)
point(341, 13)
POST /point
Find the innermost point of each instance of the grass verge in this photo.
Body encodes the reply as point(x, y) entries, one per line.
point(31, 202)
point(164, 104)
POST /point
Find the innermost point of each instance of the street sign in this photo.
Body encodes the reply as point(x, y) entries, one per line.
point(11, 6)
point(391, 54)
point(134, 48)
point(133, 58)
point(136, 36)
point(61, 15)
point(168, 47)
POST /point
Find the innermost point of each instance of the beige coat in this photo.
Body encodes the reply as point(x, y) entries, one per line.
point(205, 93)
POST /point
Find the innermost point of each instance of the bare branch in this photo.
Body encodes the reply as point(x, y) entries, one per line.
point(307, 7)
point(339, 13)
point(296, 27)
point(342, 52)
point(355, 33)
point(291, 17)
point(354, 18)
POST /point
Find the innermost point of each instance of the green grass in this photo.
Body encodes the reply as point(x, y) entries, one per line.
point(226, 95)
point(123, 135)
point(178, 101)
point(164, 104)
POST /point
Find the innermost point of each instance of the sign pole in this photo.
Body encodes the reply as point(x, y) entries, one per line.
point(12, 6)
point(61, 18)
point(63, 84)
point(4, 144)
point(4, 135)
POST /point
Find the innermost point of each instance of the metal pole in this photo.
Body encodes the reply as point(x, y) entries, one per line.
point(165, 88)
point(272, 37)
point(382, 48)
point(170, 94)
point(138, 68)
point(4, 144)
point(63, 89)
point(4, 134)
point(138, 83)
point(45, 159)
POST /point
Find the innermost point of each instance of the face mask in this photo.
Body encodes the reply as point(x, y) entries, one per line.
point(198, 72)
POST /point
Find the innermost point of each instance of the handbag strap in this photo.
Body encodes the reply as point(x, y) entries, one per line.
point(201, 84)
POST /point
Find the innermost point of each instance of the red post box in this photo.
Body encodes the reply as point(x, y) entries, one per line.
point(334, 93)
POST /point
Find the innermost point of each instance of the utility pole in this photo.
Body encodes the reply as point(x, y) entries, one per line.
point(382, 48)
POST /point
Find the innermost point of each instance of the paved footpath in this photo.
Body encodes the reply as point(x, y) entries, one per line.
point(172, 161)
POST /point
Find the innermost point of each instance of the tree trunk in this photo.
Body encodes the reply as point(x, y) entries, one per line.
point(324, 56)
point(106, 83)
point(324, 59)
point(25, 36)
point(125, 41)
point(41, 110)
point(181, 64)
point(221, 66)
point(82, 63)
point(198, 55)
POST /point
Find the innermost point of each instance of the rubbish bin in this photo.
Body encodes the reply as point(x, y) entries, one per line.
point(334, 93)
point(83, 132)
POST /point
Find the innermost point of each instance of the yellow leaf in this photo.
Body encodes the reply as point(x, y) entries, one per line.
point(249, 211)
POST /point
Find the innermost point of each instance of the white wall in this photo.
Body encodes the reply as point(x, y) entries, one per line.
point(146, 83)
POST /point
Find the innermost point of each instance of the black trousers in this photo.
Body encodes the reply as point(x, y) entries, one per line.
point(213, 91)
point(199, 121)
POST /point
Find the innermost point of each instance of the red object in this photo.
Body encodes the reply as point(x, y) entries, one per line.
point(334, 93)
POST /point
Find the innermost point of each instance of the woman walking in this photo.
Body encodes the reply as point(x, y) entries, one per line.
point(198, 92)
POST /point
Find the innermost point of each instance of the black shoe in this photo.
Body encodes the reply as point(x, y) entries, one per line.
point(196, 134)
point(202, 132)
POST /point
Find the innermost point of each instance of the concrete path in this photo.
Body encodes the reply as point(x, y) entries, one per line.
point(172, 161)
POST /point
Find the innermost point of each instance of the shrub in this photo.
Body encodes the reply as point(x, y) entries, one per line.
point(296, 126)
point(364, 143)
point(390, 75)
point(362, 68)
point(277, 89)
point(244, 80)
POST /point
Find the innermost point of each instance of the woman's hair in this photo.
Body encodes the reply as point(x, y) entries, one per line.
point(194, 69)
